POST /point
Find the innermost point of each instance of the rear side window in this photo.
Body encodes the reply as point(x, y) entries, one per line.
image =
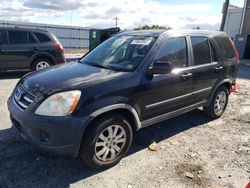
point(18, 37)
point(213, 53)
point(201, 50)
point(31, 38)
point(3, 38)
point(42, 37)
point(175, 51)
point(225, 47)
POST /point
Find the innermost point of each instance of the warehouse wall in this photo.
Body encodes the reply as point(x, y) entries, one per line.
point(232, 24)
point(246, 24)
point(69, 36)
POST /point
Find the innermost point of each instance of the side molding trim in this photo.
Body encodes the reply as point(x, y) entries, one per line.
point(119, 106)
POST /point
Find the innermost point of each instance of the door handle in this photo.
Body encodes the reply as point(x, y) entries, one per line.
point(218, 68)
point(186, 76)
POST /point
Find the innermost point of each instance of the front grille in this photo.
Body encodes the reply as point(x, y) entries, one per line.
point(23, 98)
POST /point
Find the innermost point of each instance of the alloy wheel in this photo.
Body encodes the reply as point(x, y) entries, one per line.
point(42, 65)
point(110, 143)
point(220, 102)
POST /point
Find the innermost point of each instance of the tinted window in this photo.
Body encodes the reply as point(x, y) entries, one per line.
point(213, 53)
point(201, 50)
point(225, 46)
point(1, 38)
point(18, 37)
point(31, 39)
point(42, 37)
point(175, 51)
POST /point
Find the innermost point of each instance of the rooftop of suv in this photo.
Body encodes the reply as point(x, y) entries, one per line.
point(157, 33)
point(24, 29)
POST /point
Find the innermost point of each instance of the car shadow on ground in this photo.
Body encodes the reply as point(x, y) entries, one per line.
point(22, 166)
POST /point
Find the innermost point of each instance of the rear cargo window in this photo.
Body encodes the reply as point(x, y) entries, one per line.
point(225, 47)
point(201, 50)
point(18, 37)
point(42, 37)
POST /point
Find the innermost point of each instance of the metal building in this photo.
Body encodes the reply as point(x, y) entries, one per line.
point(69, 36)
point(237, 25)
point(233, 21)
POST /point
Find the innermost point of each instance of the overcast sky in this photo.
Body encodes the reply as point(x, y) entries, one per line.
point(177, 14)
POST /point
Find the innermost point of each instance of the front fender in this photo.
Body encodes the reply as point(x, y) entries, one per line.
point(104, 107)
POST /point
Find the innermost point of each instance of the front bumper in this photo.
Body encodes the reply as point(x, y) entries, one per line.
point(55, 135)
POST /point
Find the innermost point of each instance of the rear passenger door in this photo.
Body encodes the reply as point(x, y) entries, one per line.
point(3, 46)
point(18, 51)
point(205, 67)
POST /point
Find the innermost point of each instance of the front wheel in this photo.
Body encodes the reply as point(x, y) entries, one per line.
point(218, 103)
point(107, 141)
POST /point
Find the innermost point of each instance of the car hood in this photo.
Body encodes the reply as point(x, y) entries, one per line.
point(69, 76)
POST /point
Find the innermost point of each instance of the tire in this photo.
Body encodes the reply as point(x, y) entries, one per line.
point(218, 103)
point(40, 63)
point(99, 151)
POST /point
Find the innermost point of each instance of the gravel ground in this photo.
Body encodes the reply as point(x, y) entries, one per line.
point(215, 152)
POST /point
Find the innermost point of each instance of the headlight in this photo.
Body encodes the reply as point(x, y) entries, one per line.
point(60, 104)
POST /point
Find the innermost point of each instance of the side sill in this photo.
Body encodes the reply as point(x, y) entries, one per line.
point(169, 115)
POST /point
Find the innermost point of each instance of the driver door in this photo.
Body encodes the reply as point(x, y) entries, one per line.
point(164, 93)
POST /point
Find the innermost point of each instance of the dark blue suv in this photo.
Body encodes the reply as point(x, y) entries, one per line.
point(135, 79)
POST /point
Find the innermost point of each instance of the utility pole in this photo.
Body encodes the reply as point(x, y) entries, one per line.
point(224, 16)
point(116, 21)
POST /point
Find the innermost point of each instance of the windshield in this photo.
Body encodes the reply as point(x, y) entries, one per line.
point(120, 53)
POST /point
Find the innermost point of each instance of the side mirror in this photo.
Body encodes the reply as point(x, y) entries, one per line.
point(161, 67)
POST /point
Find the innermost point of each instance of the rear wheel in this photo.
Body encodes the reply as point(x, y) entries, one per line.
point(218, 103)
point(106, 142)
point(41, 63)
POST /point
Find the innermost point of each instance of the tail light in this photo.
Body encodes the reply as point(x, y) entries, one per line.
point(234, 87)
point(235, 49)
point(59, 47)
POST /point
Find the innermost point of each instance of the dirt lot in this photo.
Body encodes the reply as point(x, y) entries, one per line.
point(216, 152)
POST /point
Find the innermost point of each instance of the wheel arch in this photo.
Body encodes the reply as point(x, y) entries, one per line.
point(43, 55)
point(127, 110)
point(226, 82)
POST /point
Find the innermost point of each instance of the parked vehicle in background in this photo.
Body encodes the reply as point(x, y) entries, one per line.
point(92, 108)
point(97, 36)
point(35, 49)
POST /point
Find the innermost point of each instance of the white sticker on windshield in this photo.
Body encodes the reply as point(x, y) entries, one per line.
point(141, 42)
